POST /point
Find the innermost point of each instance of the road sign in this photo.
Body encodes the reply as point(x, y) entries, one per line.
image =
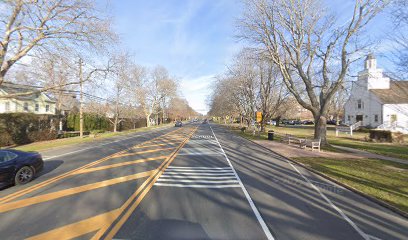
point(259, 117)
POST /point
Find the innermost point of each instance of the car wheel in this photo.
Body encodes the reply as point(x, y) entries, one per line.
point(24, 175)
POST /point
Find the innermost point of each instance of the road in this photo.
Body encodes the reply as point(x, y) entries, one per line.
point(195, 182)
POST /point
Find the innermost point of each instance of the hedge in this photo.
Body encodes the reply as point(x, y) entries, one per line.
point(91, 122)
point(386, 136)
point(22, 128)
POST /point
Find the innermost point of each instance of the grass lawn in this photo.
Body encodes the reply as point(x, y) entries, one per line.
point(356, 141)
point(384, 180)
point(38, 146)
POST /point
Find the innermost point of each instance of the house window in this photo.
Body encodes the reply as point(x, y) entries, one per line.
point(37, 107)
point(47, 108)
point(7, 106)
point(25, 106)
point(348, 118)
point(376, 118)
point(359, 104)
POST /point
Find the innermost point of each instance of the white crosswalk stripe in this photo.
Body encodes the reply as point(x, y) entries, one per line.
point(198, 177)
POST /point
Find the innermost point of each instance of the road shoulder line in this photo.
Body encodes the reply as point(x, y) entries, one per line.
point(330, 179)
point(248, 197)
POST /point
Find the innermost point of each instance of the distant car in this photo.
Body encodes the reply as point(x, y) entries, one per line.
point(18, 167)
point(178, 124)
point(307, 122)
point(331, 122)
point(205, 121)
point(195, 120)
point(271, 122)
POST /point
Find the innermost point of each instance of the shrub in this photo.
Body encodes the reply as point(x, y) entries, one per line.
point(386, 136)
point(91, 122)
point(22, 128)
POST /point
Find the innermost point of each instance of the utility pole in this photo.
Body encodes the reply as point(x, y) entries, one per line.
point(81, 99)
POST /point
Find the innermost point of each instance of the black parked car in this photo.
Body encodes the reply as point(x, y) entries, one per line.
point(178, 124)
point(18, 167)
point(307, 122)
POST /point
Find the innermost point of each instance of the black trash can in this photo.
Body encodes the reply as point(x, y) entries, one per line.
point(270, 135)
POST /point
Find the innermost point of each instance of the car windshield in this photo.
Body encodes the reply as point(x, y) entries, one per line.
point(7, 156)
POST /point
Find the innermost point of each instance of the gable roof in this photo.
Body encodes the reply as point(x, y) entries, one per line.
point(397, 94)
point(69, 102)
point(11, 88)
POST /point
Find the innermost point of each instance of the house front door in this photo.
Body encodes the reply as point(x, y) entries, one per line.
point(359, 118)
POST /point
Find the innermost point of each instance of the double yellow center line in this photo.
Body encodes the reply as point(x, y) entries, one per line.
point(43, 184)
point(109, 223)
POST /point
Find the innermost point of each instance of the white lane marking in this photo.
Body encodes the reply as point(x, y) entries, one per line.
point(198, 174)
point(198, 153)
point(202, 136)
point(199, 167)
point(371, 237)
point(249, 199)
point(198, 170)
point(365, 236)
point(196, 185)
point(202, 141)
point(203, 177)
point(196, 180)
point(83, 149)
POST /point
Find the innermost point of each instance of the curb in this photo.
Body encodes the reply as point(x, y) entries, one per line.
point(379, 202)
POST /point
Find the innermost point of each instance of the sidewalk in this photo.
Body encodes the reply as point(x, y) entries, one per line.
point(293, 151)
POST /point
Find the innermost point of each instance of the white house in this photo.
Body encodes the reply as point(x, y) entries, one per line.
point(39, 103)
point(377, 101)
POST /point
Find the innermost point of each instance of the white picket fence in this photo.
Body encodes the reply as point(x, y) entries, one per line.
point(349, 129)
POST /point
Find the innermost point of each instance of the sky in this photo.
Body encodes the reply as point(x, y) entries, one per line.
point(195, 39)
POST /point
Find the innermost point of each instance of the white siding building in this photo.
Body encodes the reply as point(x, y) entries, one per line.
point(38, 103)
point(377, 101)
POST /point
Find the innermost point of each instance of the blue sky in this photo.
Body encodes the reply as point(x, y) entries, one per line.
point(194, 39)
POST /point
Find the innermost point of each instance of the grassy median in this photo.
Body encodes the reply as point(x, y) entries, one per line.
point(387, 181)
point(38, 146)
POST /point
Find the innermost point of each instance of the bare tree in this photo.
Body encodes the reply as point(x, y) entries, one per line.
point(121, 81)
point(223, 99)
point(399, 35)
point(31, 28)
point(252, 83)
point(312, 52)
point(151, 89)
point(271, 91)
point(88, 73)
point(179, 109)
point(56, 71)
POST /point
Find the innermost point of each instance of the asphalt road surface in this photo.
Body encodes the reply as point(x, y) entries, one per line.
point(195, 182)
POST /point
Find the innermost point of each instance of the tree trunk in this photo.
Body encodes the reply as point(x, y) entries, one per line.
point(115, 124)
point(320, 131)
point(262, 126)
point(147, 120)
point(278, 121)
